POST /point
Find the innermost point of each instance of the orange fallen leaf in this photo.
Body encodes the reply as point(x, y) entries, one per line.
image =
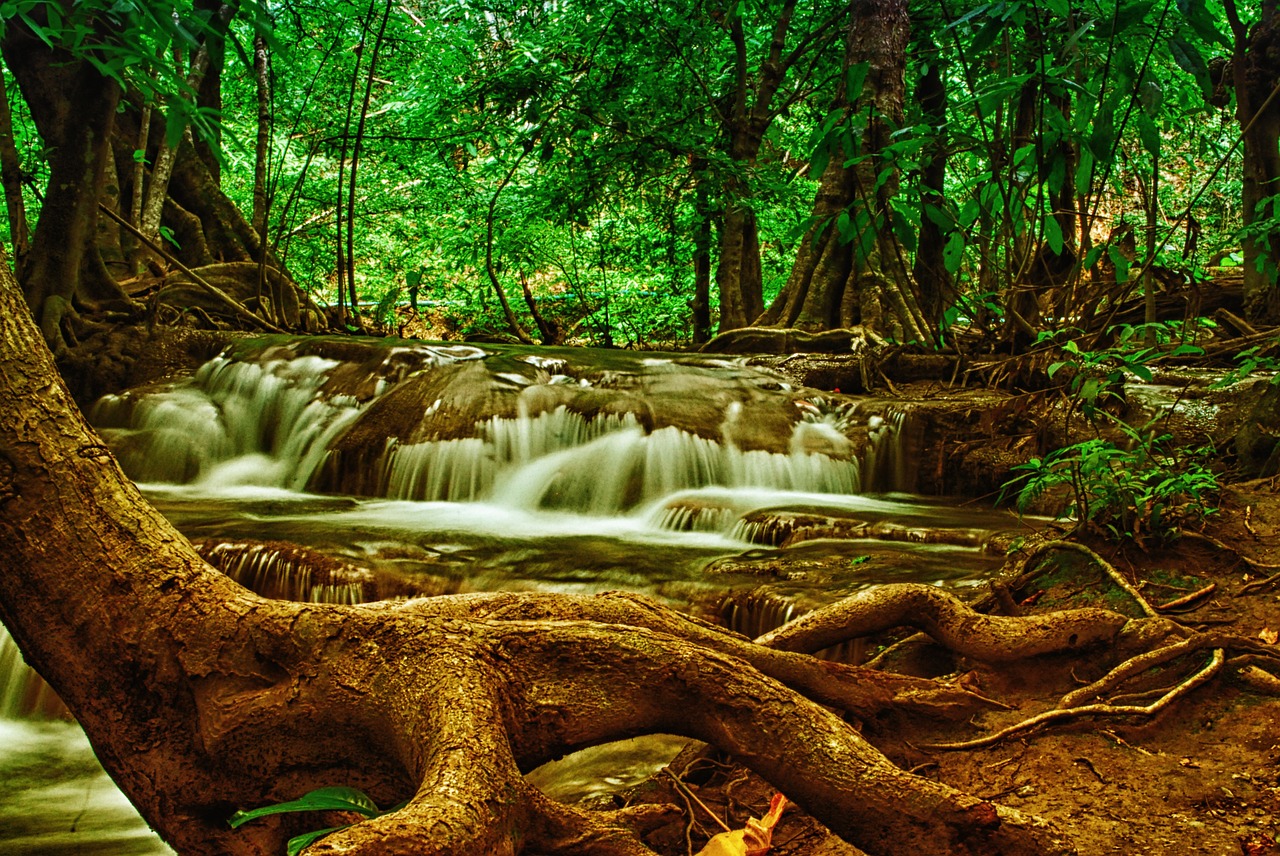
point(1268, 635)
point(753, 840)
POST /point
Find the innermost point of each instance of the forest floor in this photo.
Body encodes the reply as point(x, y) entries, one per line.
point(1202, 777)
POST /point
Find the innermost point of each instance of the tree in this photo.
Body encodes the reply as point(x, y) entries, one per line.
point(1258, 111)
point(74, 66)
point(200, 697)
point(851, 268)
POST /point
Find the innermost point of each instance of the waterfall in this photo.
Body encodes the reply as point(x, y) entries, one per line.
point(561, 460)
point(23, 693)
point(266, 424)
point(275, 422)
point(888, 462)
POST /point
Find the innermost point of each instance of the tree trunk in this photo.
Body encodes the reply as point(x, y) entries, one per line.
point(751, 112)
point(261, 149)
point(850, 267)
point(1258, 112)
point(11, 179)
point(738, 276)
point(701, 303)
point(76, 124)
point(78, 257)
point(930, 271)
point(162, 166)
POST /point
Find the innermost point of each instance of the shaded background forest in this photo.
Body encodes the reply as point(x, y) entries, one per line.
point(645, 173)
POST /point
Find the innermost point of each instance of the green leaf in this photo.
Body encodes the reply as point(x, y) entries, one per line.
point(1121, 262)
point(1188, 58)
point(987, 35)
point(1149, 134)
point(298, 842)
point(174, 124)
point(1084, 173)
point(1204, 22)
point(855, 78)
point(953, 252)
point(1053, 235)
point(323, 799)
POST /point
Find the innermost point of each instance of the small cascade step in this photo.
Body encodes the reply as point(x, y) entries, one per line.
point(755, 612)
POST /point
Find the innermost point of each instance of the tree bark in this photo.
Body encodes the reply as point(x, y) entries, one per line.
point(261, 149)
point(1258, 112)
point(850, 268)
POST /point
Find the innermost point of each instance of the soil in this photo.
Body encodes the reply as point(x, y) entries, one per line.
point(1202, 777)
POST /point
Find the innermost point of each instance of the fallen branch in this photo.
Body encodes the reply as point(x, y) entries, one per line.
point(1188, 598)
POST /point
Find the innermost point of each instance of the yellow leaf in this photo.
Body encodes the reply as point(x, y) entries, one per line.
point(754, 840)
point(726, 844)
point(1268, 635)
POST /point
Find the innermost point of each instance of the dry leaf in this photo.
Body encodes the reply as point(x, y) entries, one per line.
point(754, 840)
point(1268, 635)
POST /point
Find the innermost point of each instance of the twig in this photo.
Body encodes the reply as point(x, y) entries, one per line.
point(1059, 714)
point(1188, 598)
point(693, 820)
point(1132, 666)
point(1258, 584)
point(680, 786)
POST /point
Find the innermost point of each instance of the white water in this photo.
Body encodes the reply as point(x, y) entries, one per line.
point(57, 799)
point(548, 501)
point(233, 423)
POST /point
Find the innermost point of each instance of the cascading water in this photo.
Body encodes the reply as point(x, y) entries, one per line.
point(602, 467)
point(450, 468)
point(233, 423)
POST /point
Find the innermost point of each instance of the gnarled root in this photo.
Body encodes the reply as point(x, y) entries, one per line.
point(989, 638)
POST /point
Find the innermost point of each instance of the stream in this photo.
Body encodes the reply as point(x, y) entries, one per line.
point(428, 468)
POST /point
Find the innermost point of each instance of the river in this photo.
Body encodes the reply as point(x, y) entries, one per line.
point(423, 468)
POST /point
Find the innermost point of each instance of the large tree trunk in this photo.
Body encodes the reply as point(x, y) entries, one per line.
point(200, 697)
point(1258, 112)
point(930, 270)
point(75, 117)
point(751, 111)
point(77, 257)
point(850, 267)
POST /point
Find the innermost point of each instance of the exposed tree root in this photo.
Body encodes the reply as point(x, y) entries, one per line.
point(1027, 559)
point(989, 638)
point(1061, 714)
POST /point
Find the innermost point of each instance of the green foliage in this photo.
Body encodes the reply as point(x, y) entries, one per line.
point(1145, 490)
point(1143, 486)
point(1099, 376)
point(322, 799)
point(609, 124)
point(1250, 360)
